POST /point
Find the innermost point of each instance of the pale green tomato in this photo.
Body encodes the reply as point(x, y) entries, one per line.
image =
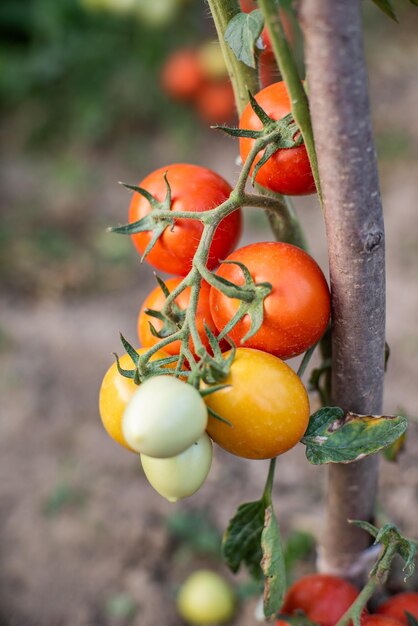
point(206, 598)
point(156, 13)
point(164, 417)
point(181, 475)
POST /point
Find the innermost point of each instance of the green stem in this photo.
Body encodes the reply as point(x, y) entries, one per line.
point(377, 578)
point(354, 612)
point(269, 483)
point(305, 361)
point(243, 78)
point(290, 74)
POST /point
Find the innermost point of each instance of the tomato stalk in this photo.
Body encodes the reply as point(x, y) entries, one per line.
point(199, 271)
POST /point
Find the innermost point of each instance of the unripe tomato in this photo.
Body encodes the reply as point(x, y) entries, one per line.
point(180, 476)
point(397, 606)
point(115, 393)
point(193, 188)
point(156, 300)
point(322, 597)
point(206, 598)
point(297, 310)
point(288, 170)
point(156, 13)
point(265, 402)
point(182, 75)
point(164, 417)
point(212, 60)
point(216, 103)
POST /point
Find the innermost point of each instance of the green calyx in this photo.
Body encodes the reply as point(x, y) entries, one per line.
point(278, 134)
point(156, 221)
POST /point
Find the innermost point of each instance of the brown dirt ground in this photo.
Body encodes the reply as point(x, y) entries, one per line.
point(60, 563)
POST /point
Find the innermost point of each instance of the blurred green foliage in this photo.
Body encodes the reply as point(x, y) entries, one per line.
point(88, 68)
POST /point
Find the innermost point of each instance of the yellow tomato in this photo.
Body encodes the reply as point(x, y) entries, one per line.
point(182, 475)
point(206, 598)
point(115, 393)
point(266, 404)
point(212, 60)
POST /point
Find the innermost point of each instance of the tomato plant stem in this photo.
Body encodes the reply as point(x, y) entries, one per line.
point(243, 78)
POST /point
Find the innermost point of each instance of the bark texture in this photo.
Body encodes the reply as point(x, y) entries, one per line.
point(339, 104)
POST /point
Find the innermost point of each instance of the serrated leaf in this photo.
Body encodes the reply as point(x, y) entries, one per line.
point(334, 436)
point(242, 33)
point(242, 539)
point(272, 564)
point(387, 8)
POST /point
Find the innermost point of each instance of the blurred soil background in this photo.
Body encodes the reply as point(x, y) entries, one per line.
point(84, 540)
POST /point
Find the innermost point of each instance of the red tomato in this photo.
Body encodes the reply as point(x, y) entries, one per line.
point(297, 310)
point(395, 607)
point(182, 75)
point(156, 301)
point(267, 69)
point(216, 103)
point(323, 598)
point(193, 188)
point(288, 170)
point(380, 620)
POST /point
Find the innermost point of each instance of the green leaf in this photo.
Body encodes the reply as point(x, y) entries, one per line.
point(414, 2)
point(242, 539)
point(272, 564)
point(391, 540)
point(387, 8)
point(334, 436)
point(242, 33)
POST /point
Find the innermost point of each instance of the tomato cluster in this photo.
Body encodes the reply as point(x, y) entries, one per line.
point(324, 599)
point(198, 77)
point(261, 408)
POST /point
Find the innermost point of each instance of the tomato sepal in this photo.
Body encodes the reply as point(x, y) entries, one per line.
point(157, 220)
point(144, 367)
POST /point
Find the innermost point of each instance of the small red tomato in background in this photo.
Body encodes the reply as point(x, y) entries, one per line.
point(215, 102)
point(379, 620)
point(156, 300)
point(182, 75)
point(297, 310)
point(193, 188)
point(322, 597)
point(395, 607)
point(288, 170)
